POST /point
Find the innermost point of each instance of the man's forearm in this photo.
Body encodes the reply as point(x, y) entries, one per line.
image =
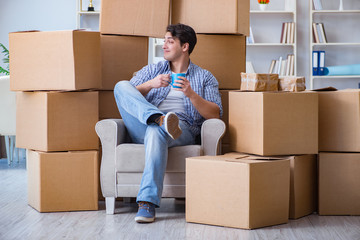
point(206, 108)
point(144, 88)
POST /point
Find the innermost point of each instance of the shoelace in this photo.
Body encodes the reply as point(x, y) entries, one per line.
point(144, 205)
point(160, 120)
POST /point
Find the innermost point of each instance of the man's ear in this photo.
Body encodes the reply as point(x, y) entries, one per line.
point(185, 47)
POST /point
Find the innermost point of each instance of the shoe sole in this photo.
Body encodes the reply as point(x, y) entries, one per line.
point(144, 220)
point(172, 125)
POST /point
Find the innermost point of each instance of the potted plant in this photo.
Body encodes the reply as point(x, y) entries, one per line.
point(5, 51)
point(263, 4)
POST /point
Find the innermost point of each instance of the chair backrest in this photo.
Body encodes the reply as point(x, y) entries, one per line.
point(7, 107)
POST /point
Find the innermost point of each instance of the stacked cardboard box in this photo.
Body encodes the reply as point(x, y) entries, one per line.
point(339, 158)
point(56, 115)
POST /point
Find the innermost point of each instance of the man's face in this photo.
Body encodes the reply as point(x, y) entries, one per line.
point(172, 47)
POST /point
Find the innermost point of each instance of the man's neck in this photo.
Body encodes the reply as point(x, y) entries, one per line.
point(180, 66)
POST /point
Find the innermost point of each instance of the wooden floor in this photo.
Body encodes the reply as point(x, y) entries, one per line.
point(20, 221)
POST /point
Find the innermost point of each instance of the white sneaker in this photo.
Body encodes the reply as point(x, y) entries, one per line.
point(171, 124)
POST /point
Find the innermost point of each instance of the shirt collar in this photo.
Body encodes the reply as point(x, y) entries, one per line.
point(190, 67)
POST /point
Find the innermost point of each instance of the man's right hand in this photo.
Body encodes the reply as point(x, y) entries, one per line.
point(159, 81)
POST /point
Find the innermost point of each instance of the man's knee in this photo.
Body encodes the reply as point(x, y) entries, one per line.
point(121, 85)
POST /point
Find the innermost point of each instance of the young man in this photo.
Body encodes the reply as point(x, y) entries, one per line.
point(160, 116)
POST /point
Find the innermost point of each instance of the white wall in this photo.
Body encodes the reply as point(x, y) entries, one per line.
point(20, 15)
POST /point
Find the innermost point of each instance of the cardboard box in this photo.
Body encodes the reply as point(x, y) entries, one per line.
point(339, 183)
point(223, 55)
point(303, 185)
point(107, 105)
point(63, 181)
point(121, 56)
point(225, 104)
point(273, 123)
point(135, 17)
point(57, 121)
point(259, 82)
point(59, 60)
point(292, 84)
point(241, 192)
point(213, 16)
point(339, 122)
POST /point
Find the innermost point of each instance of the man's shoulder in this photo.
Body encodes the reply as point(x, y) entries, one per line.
point(202, 71)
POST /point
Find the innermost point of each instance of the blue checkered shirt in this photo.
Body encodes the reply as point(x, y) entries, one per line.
point(201, 81)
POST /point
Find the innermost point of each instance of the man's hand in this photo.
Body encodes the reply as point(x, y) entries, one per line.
point(184, 86)
point(159, 81)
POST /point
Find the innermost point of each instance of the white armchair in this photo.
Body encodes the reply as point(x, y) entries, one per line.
point(123, 162)
point(8, 118)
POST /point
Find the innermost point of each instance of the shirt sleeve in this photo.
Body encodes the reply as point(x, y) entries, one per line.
point(141, 76)
point(211, 91)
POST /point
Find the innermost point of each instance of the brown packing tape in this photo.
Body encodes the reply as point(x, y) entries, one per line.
point(259, 82)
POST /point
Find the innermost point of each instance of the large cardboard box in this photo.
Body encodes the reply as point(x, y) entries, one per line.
point(339, 183)
point(57, 121)
point(339, 121)
point(121, 56)
point(214, 16)
point(135, 17)
point(273, 123)
point(63, 181)
point(235, 190)
point(59, 60)
point(107, 105)
point(303, 185)
point(223, 55)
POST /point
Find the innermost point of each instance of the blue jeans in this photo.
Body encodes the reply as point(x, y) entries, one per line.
point(135, 110)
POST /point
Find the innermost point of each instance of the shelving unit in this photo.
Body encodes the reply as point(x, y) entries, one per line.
point(267, 46)
point(82, 13)
point(333, 45)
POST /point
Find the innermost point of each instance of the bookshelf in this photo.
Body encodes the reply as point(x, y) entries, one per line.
point(267, 30)
point(88, 20)
point(342, 45)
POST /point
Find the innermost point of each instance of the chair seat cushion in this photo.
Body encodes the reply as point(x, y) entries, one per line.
point(131, 157)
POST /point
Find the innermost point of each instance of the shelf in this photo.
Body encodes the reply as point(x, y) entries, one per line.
point(272, 12)
point(272, 44)
point(337, 76)
point(335, 44)
point(88, 13)
point(335, 11)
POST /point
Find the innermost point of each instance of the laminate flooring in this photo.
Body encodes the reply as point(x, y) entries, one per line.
point(19, 221)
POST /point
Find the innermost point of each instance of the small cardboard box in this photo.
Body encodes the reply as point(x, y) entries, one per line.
point(107, 105)
point(339, 121)
point(292, 84)
point(57, 121)
point(225, 60)
point(339, 183)
point(63, 181)
point(303, 185)
point(135, 17)
point(58, 60)
point(273, 123)
point(259, 82)
point(214, 16)
point(241, 191)
point(121, 56)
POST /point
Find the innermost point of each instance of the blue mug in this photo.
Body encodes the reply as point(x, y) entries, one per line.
point(175, 76)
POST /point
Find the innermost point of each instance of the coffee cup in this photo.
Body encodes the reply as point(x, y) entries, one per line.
point(175, 76)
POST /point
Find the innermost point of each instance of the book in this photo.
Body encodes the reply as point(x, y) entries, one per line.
point(321, 40)
point(292, 63)
point(316, 36)
point(279, 66)
point(283, 68)
point(292, 33)
point(285, 33)
point(288, 34)
point(322, 32)
point(288, 65)
point(282, 32)
point(272, 65)
point(249, 67)
point(321, 63)
point(276, 66)
point(315, 62)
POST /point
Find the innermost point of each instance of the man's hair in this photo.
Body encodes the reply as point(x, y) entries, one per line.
point(184, 33)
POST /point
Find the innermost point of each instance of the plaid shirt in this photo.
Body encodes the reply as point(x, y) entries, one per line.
point(201, 81)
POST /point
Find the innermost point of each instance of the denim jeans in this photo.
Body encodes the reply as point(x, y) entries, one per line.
point(135, 110)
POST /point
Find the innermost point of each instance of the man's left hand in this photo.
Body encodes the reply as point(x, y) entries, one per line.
point(185, 87)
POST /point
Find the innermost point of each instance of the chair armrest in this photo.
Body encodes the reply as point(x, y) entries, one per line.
point(212, 131)
point(111, 132)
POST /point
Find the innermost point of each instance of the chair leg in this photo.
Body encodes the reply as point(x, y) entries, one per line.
point(15, 151)
point(110, 205)
point(8, 149)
